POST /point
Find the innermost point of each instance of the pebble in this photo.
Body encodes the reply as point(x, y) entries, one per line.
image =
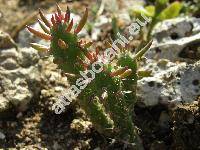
point(2, 136)
point(19, 115)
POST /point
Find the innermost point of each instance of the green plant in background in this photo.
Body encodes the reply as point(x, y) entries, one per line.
point(115, 27)
point(109, 98)
point(162, 10)
point(191, 8)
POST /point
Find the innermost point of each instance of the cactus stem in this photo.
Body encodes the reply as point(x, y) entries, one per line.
point(39, 34)
point(113, 90)
point(82, 22)
point(44, 19)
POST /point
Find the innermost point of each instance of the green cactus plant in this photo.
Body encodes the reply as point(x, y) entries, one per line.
point(109, 97)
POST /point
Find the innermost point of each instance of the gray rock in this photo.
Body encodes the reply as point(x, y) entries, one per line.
point(190, 82)
point(176, 39)
point(21, 74)
point(172, 82)
point(2, 136)
point(164, 119)
point(20, 77)
point(101, 23)
point(80, 125)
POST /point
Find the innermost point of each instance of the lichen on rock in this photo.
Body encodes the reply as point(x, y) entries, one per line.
point(177, 82)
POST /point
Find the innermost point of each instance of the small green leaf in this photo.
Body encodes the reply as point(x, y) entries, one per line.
point(151, 10)
point(162, 2)
point(138, 10)
point(171, 11)
point(160, 5)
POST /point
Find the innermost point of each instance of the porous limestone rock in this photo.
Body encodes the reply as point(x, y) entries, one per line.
point(80, 125)
point(169, 82)
point(100, 24)
point(19, 78)
point(176, 39)
point(24, 76)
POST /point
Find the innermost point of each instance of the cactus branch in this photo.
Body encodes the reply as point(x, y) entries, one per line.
point(108, 96)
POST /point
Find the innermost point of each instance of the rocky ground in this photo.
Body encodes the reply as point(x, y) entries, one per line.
point(167, 113)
